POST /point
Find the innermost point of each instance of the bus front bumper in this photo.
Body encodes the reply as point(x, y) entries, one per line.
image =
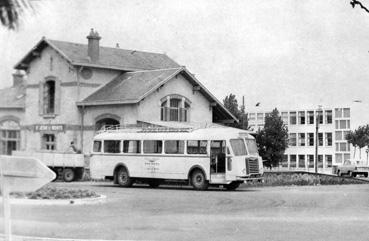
point(253, 177)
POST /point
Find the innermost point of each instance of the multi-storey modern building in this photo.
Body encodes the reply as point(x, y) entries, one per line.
point(333, 125)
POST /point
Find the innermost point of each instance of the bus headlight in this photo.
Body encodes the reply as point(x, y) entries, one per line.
point(229, 163)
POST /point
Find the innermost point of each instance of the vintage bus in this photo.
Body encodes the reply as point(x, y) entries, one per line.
point(220, 156)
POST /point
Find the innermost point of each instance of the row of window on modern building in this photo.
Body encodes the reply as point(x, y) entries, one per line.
point(306, 161)
point(308, 140)
point(308, 117)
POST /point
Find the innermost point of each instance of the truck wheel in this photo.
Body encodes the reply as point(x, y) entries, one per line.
point(365, 174)
point(123, 178)
point(68, 175)
point(79, 174)
point(198, 180)
point(232, 186)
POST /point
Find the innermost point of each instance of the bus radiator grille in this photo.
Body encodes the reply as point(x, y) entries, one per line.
point(252, 165)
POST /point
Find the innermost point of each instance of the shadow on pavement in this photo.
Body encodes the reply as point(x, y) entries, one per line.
point(176, 187)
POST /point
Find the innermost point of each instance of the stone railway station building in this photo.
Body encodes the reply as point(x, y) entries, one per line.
point(64, 92)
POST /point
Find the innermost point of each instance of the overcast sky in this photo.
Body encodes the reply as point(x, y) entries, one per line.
point(285, 53)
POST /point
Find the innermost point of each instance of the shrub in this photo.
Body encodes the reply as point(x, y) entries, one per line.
point(49, 192)
point(304, 179)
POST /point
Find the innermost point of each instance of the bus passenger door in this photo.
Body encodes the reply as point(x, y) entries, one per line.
point(229, 166)
point(217, 161)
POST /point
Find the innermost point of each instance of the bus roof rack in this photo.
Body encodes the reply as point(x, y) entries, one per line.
point(165, 129)
point(143, 129)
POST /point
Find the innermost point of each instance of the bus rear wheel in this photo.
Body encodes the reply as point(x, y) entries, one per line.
point(123, 178)
point(198, 180)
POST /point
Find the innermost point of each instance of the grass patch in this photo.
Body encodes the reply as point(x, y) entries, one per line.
point(48, 192)
point(304, 179)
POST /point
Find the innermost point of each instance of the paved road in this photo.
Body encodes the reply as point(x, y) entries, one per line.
point(141, 213)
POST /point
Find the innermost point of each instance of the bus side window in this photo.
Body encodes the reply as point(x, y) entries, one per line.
point(217, 147)
point(174, 147)
point(197, 147)
point(152, 146)
point(97, 146)
point(111, 146)
point(132, 146)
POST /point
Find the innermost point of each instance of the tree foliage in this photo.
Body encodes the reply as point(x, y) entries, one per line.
point(359, 138)
point(11, 12)
point(230, 102)
point(356, 2)
point(272, 140)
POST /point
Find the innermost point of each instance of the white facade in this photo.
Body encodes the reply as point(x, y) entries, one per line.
point(333, 149)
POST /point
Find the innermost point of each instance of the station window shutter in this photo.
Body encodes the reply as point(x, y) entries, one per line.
point(57, 97)
point(41, 99)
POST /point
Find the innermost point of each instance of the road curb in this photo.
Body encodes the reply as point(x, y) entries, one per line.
point(47, 202)
point(27, 238)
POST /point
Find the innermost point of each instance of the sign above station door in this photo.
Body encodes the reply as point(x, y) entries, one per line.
point(49, 127)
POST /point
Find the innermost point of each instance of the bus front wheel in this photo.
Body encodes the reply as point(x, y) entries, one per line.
point(198, 180)
point(123, 178)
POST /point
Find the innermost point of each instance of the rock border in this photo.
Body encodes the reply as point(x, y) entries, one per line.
point(72, 201)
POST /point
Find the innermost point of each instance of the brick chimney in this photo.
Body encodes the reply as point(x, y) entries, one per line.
point(17, 78)
point(93, 50)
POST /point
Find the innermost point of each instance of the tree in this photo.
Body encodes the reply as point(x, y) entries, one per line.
point(359, 138)
point(352, 139)
point(11, 11)
point(272, 140)
point(230, 102)
point(355, 2)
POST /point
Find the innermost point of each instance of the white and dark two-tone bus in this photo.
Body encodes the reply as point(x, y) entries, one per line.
point(216, 156)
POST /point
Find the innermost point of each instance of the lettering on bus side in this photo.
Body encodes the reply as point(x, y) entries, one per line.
point(152, 165)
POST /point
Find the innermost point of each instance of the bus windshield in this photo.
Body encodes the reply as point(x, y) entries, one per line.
point(251, 146)
point(238, 147)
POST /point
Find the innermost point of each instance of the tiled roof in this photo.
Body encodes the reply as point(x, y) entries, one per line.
point(13, 97)
point(110, 58)
point(130, 87)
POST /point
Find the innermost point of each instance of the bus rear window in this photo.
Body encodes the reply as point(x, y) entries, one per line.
point(252, 147)
point(197, 147)
point(238, 147)
point(97, 146)
point(152, 146)
point(111, 146)
point(131, 146)
point(174, 147)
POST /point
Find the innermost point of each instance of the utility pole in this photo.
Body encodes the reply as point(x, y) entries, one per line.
point(316, 142)
point(316, 137)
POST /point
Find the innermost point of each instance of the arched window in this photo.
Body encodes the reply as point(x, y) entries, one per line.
point(175, 108)
point(106, 120)
point(49, 96)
